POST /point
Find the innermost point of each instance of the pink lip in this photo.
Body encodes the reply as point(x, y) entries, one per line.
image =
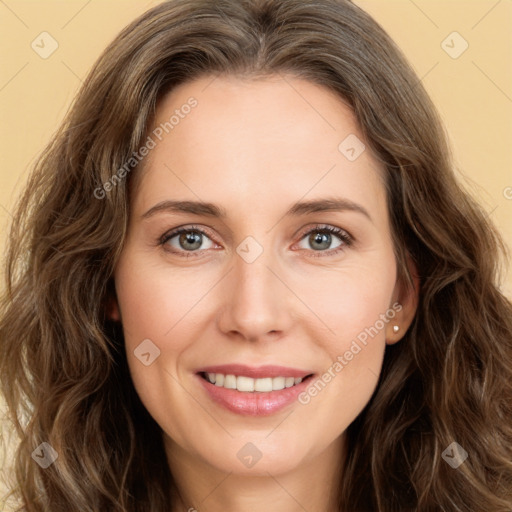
point(256, 403)
point(255, 372)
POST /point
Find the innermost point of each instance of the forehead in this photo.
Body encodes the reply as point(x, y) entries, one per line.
point(279, 138)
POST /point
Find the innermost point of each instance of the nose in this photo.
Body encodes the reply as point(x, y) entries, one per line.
point(258, 304)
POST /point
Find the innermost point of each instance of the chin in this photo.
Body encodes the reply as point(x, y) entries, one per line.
point(257, 456)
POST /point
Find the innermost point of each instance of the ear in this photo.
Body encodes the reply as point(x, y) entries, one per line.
point(112, 306)
point(408, 297)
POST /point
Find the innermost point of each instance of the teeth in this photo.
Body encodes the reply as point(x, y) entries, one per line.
point(264, 385)
point(249, 385)
point(244, 384)
point(278, 383)
point(229, 381)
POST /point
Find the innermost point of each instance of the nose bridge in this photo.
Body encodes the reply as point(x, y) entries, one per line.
point(256, 302)
point(253, 280)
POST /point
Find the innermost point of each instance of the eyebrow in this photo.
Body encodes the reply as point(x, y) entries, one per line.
point(202, 208)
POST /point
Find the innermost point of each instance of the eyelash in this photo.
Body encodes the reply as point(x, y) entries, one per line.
point(346, 239)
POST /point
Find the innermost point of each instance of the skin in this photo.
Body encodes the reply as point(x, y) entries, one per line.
point(256, 147)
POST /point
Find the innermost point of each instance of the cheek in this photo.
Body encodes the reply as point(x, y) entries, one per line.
point(161, 304)
point(152, 304)
point(354, 307)
point(350, 301)
point(154, 299)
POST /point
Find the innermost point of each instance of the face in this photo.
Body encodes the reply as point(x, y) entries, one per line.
point(287, 273)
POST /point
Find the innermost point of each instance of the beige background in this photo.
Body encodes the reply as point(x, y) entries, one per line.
point(473, 92)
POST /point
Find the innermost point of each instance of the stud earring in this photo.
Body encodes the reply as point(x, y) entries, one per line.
point(396, 328)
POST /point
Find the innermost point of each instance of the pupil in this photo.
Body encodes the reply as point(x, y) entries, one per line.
point(321, 237)
point(190, 237)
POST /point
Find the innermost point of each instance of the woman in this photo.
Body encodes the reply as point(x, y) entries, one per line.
point(332, 339)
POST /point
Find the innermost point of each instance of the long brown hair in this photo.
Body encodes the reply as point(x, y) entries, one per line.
point(63, 368)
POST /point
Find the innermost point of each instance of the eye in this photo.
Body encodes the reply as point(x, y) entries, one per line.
point(320, 238)
point(186, 240)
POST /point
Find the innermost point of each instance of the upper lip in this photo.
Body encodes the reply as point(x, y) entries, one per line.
point(255, 372)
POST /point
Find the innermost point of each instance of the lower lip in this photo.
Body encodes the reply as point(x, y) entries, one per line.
point(253, 404)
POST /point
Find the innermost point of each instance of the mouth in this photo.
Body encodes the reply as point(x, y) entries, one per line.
point(253, 391)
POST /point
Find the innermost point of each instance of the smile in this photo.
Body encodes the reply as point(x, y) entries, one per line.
point(253, 391)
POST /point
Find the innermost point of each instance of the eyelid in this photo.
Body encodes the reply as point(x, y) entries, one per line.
point(171, 233)
point(324, 227)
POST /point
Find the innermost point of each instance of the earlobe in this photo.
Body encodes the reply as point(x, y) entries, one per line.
point(112, 307)
point(408, 298)
point(113, 310)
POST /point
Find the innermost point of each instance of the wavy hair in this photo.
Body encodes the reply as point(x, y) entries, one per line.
point(63, 366)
